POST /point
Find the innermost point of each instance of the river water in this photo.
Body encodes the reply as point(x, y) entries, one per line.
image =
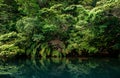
point(61, 68)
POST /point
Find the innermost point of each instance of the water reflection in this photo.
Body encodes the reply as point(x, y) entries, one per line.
point(61, 68)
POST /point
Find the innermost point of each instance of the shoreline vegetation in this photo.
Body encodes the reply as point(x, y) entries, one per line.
point(59, 28)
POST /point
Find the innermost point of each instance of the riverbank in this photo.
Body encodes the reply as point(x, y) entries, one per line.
point(85, 55)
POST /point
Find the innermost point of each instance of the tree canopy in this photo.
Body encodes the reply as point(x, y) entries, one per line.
point(59, 28)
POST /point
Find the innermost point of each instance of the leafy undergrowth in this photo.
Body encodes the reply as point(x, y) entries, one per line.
point(59, 28)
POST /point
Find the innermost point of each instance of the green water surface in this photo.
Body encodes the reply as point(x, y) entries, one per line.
point(61, 68)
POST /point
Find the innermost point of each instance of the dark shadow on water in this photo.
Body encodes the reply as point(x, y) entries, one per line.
point(6, 76)
point(61, 68)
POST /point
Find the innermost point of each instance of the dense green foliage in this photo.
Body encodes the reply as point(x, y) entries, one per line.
point(59, 27)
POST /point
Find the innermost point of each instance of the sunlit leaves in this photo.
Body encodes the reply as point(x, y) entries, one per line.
point(75, 26)
point(28, 7)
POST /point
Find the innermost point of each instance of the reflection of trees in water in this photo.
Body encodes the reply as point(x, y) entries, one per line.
point(60, 68)
point(57, 67)
point(7, 69)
